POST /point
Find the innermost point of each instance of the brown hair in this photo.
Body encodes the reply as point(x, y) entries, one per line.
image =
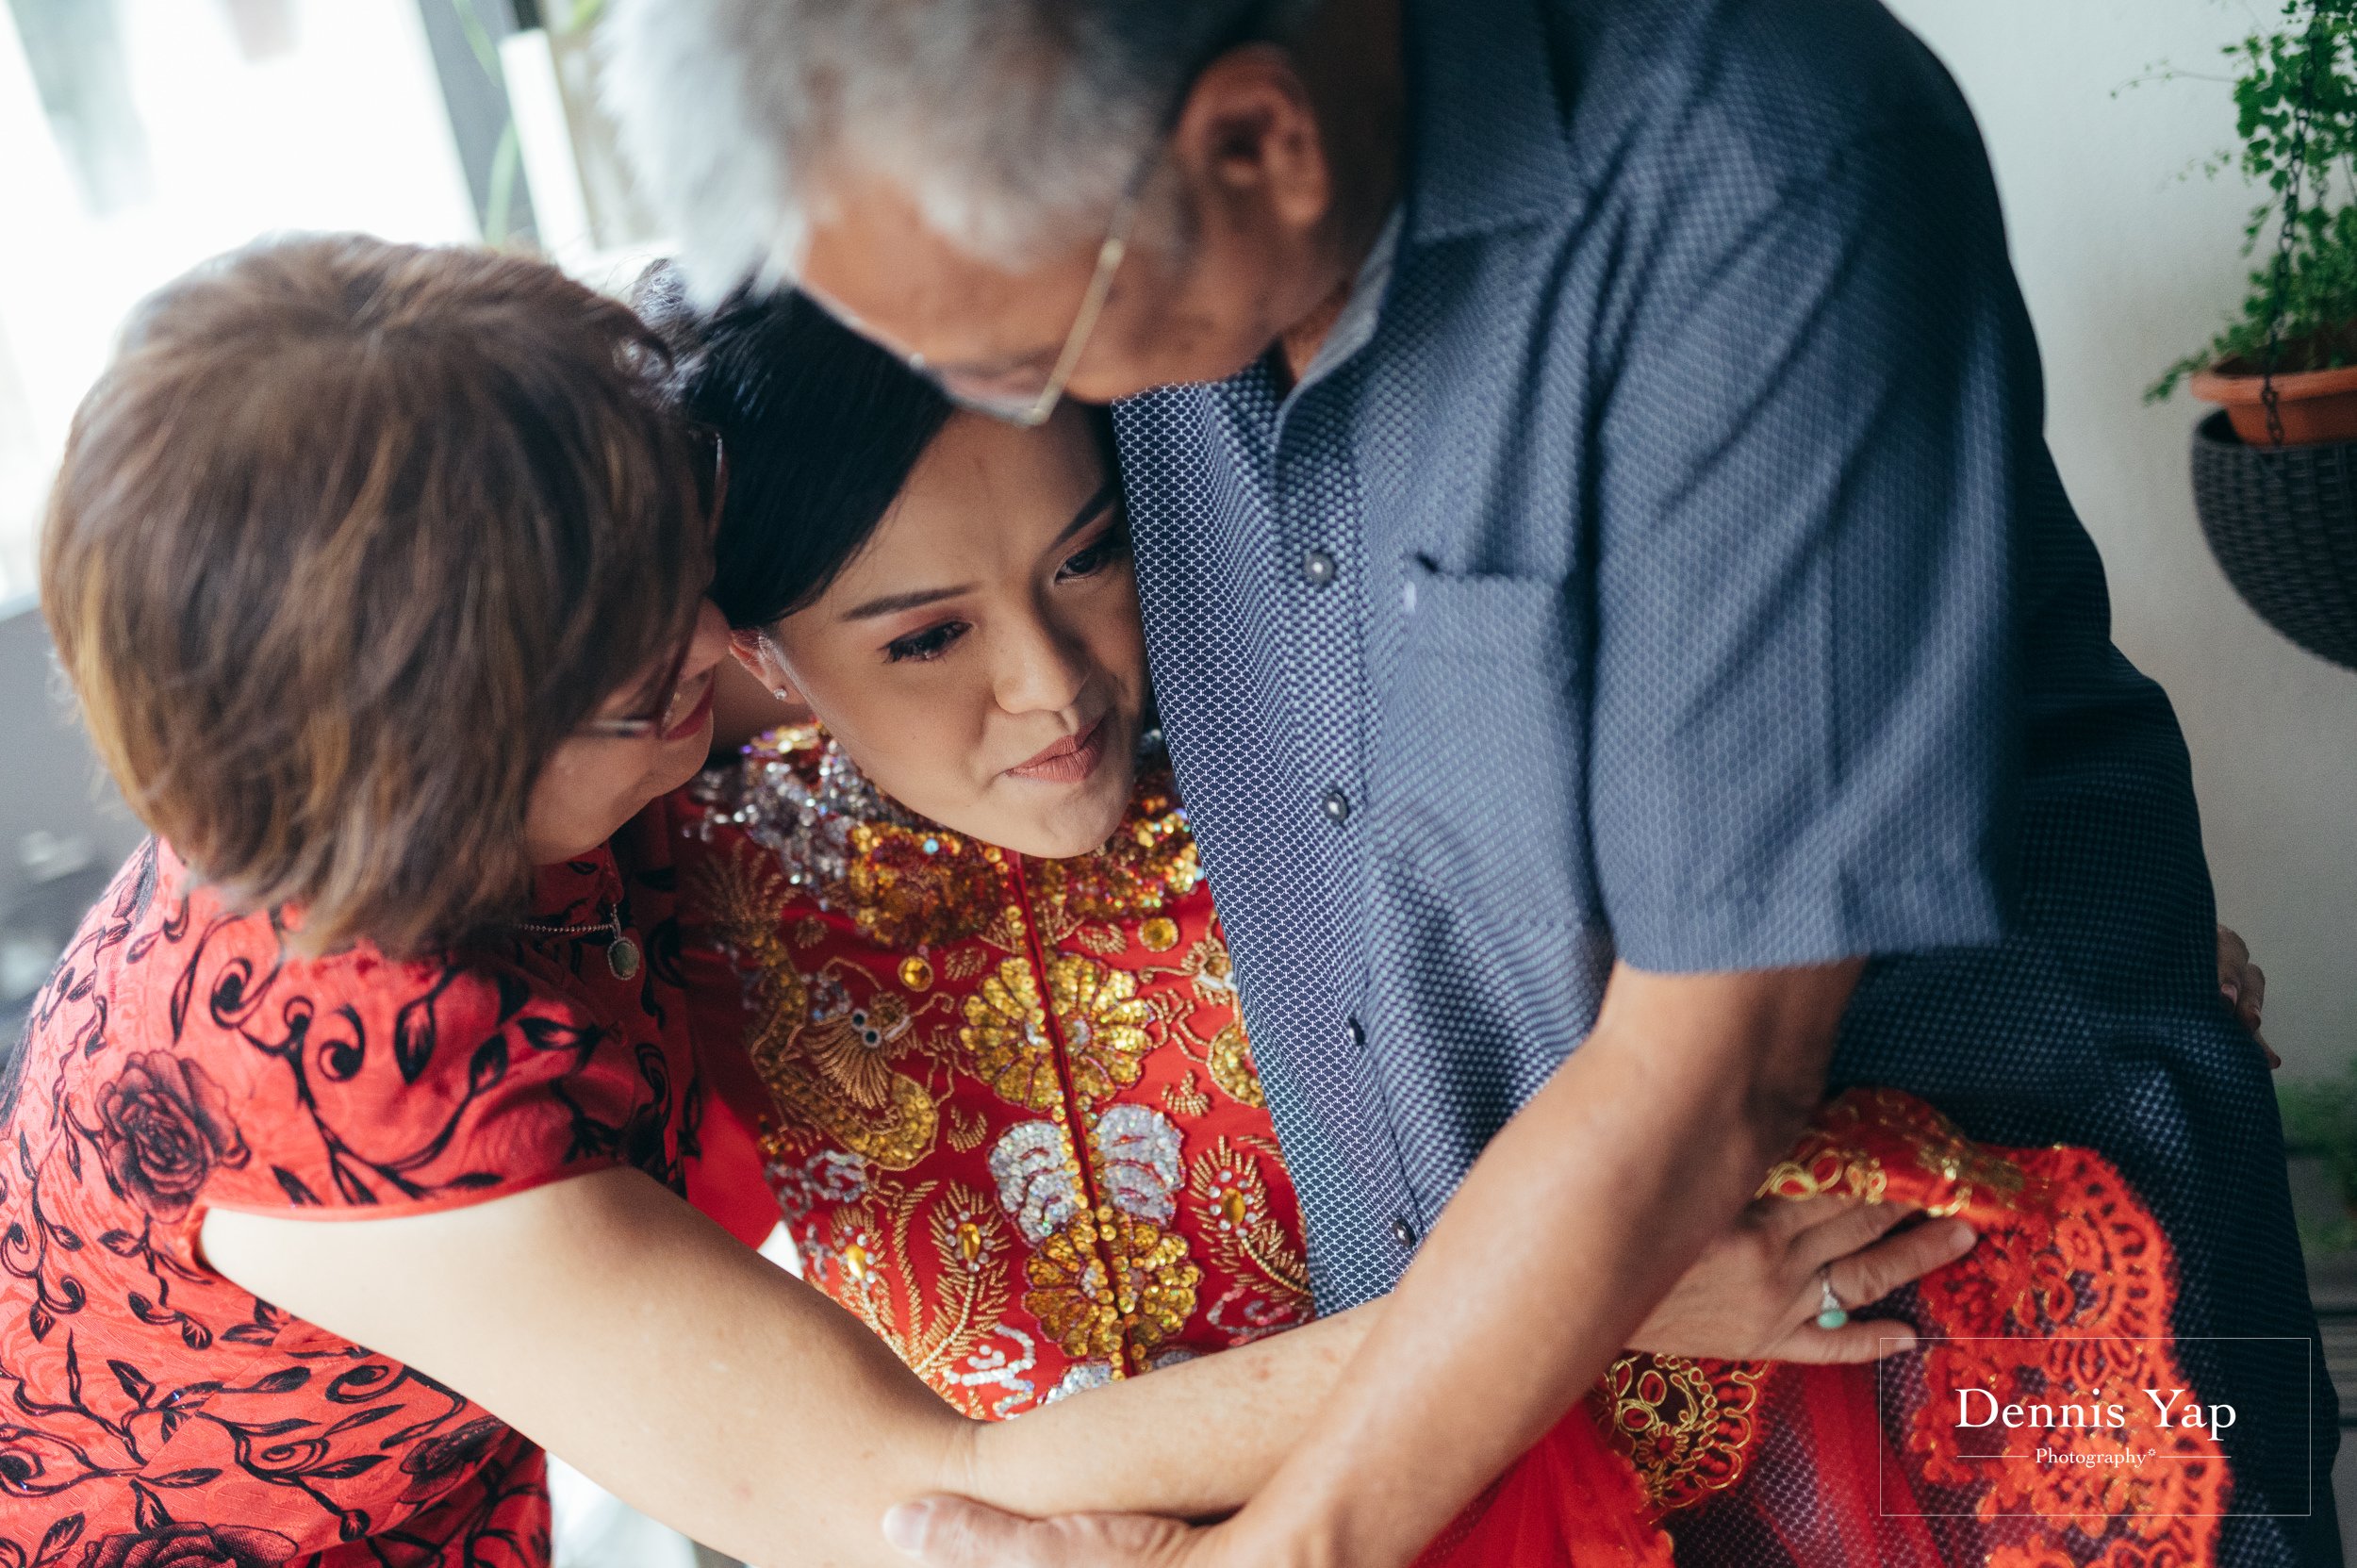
point(349, 538)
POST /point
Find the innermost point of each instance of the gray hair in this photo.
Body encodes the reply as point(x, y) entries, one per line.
point(1011, 124)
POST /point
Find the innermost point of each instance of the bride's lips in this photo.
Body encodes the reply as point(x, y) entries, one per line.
point(696, 716)
point(1069, 761)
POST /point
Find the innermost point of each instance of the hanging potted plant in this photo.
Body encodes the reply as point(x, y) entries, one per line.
point(2275, 471)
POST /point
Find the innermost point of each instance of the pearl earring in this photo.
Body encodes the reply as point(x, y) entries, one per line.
point(780, 693)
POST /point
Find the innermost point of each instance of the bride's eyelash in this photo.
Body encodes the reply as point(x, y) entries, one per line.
point(1108, 547)
point(929, 644)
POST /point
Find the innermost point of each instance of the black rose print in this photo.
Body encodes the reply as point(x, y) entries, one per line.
point(163, 1126)
point(190, 1546)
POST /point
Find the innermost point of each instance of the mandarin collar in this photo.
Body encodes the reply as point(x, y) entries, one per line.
point(577, 889)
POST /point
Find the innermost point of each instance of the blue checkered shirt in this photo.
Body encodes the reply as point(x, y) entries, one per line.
point(1664, 561)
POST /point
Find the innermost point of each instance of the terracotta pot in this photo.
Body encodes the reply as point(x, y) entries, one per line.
point(2317, 408)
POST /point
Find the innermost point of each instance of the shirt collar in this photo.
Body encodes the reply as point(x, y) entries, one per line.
point(1354, 327)
point(1487, 142)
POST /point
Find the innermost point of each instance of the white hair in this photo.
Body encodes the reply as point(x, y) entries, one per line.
point(1011, 124)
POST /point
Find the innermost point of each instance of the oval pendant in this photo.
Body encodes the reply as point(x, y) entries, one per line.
point(621, 956)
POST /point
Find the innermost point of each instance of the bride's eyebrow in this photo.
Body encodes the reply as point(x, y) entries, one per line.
point(892, 603)
point(1091, 509)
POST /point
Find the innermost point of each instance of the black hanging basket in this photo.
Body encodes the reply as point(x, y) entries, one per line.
point(2282, 523)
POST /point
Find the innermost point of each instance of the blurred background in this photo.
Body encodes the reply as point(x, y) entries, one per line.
point(138, 137)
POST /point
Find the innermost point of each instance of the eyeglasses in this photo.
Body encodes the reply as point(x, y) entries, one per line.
point(712, 491)
point(1032, 410)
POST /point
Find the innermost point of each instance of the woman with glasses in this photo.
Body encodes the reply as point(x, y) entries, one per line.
point(346, 1145)
point(953, 960)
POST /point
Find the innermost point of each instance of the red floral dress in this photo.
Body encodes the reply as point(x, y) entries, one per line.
point(1007, 1106)
point(917, 1025)
point(153, 1414)
point(2059, 1315)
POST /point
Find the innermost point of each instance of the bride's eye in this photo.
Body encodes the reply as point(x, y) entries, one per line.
point(1095, 556)
point(931, 643)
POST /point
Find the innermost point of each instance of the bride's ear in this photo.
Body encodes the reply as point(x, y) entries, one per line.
point(764, 662)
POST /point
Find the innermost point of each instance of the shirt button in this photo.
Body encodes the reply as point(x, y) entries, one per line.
point(1336, 806)
point(1358, 1036)
point(1318, 566)
point(1403, 1233)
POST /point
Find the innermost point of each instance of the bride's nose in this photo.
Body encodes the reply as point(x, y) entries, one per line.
point(1036, 668)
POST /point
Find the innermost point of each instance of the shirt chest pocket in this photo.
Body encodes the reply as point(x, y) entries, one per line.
point(1479, 772)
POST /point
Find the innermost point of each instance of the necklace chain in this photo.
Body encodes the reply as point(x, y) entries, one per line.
point(621, 950)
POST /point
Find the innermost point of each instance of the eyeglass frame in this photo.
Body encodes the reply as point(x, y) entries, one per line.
point(1036, 412)
point(659, 720)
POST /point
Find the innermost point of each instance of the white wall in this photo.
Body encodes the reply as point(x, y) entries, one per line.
point(2128, 264)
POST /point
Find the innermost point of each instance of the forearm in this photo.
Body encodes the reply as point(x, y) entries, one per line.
point(1193, 1440)
point(632, 1337)
point(1581, 1214)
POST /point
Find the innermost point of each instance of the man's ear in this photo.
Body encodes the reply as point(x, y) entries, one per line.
point(764, 662)
point(1249, 137)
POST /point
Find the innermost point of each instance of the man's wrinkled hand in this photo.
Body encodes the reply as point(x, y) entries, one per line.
point(955, 1532)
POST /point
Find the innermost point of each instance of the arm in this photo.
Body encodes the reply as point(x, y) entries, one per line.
point(611, 1323)
point(1687, 1090)
point(623, 1330)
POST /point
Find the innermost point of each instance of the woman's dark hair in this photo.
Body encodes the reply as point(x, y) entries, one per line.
point(348, 539)
point(821, 429)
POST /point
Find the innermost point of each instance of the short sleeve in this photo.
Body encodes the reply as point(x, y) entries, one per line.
point(410, 1086)
point(1811, 448)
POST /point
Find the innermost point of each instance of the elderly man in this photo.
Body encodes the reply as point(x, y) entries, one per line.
point(1625, 649)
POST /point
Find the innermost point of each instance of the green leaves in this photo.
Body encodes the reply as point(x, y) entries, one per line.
point(2311, 59)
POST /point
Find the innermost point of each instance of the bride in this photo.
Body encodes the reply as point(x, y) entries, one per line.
point(954, 962)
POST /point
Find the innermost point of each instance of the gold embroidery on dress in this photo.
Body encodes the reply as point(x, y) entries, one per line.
point(909, 887)
point(894, 1124)
point(1099, 1010)
point(1688, 1427)
point(1103, 1022)
point(868, 1244)
point(1822, 1164)
point(1211, 972)
point(1147, 1299)
point(1231, 1067)
point(966, 1131)
point(1232, 1195)
point(1184, 1099)
point(854, 1049)
point(1092, 1188)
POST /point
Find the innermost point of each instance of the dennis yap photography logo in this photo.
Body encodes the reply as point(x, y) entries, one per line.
point(1979, 1410)
point(2026, 1437)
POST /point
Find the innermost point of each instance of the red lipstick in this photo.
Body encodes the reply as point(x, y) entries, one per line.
point(1069, 761)
point(697, 716)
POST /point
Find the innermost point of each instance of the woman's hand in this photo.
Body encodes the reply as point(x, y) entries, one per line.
point(2244, 985)
point(1756, 1292)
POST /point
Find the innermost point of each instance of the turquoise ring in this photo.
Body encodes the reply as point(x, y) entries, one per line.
point(1830, 1312)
